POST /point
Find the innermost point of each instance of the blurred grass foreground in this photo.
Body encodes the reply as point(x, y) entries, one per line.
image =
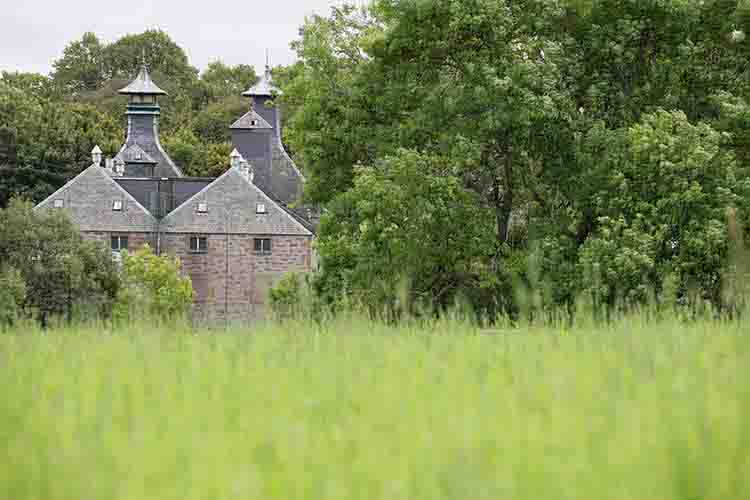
point(359, 410)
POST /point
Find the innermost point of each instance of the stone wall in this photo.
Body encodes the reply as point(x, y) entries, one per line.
point(231, 281)
point(135, 240)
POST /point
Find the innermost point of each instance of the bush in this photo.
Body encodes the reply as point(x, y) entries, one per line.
point(289, 298)
point(152, 285)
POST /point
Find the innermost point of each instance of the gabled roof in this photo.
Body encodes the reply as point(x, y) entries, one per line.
point(251, 120)
point(232, 201)
point(264, 87)
point(135, 154)
point(88, 198)
point(142, 85)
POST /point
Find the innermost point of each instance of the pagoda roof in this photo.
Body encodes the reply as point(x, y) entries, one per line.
point(264, 87)
point(142, 85)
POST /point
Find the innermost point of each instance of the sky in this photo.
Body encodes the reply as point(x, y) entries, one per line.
point(33, 33)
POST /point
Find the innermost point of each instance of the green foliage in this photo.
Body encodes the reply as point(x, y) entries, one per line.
point(199, 159)
point(619, 265)
point(435, 411)
point(228, 81)
point(403, 225)
point(154, 286)
point(61, 272)
point(54, 141)
point(553, 116)
point(289, 297)
point(12, 296)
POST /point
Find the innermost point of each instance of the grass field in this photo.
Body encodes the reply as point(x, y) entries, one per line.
point(362, 411)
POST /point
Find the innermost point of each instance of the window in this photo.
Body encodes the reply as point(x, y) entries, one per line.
point(59, 203)
point(198, 244)
point(253, 122)
point(260, 208)
point(117, 205)
point(119, 243)
point(263, 245)
point(202, 208)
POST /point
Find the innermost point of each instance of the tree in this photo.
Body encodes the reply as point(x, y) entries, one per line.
point(153, 285)
point(61, 272)
point(82, 66)
point(12, 296)
point(227, 81)
point(399, 239)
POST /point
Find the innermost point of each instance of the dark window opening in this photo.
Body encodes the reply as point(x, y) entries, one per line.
point(262, 245)
point(119, 243)
point(198, 244)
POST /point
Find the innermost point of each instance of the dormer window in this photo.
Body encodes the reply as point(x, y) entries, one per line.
point(117, 206)
point(59, 203)
point(202, 208)
point(260, 208)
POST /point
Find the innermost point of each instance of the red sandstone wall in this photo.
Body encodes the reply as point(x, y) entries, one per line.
point(135, 240)
point(231, 281)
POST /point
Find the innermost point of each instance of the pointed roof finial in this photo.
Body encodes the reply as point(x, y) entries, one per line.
point(142, 84)
point(265, 86)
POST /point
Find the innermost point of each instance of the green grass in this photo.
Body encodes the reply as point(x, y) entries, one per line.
point(362, 411)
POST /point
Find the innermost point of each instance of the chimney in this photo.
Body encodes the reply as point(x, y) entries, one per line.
point(96, 156)
point(244, 168)
point(119, 169)
point(235, 159)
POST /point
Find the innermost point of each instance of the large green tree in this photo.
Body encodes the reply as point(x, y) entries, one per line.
point(61, 272)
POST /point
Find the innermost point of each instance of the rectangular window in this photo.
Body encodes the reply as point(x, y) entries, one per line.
point(59, 203)
point(260, 208)
point(202, 208)
point(198, 244)
point(119, 243)
point(262, 245)
point(117, 205)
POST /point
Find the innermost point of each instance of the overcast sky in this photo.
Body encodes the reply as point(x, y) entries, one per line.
point(33, 33)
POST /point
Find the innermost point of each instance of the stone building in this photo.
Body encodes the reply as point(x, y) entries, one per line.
point(235, 235)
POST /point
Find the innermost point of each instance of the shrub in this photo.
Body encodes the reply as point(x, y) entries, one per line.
point(152, 285)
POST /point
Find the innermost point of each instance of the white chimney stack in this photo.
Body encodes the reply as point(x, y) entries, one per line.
point(96, 155)
point(119, 167)
point(244, 168)
point(235, 159)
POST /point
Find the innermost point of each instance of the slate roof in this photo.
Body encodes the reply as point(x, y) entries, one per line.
point(284, 182)
point(135, 154)
point(231, 201)
point(264, 87)
point(161, 196)
point(89, 198)
point(251, 120)
point(142, 85)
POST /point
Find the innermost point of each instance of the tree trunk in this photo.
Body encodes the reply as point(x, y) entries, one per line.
point(503, 198)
